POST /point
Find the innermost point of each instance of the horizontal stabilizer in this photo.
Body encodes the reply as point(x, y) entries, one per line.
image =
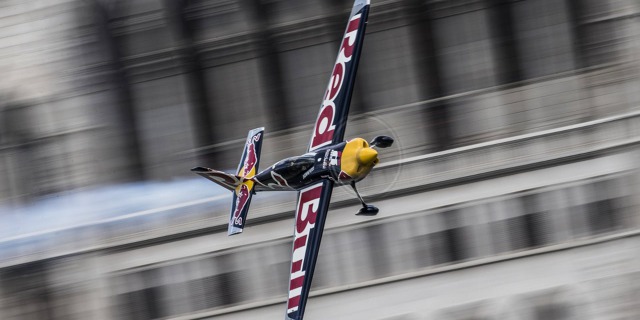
point(228, 181)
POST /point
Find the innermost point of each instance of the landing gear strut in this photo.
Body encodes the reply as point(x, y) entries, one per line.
point(367, 209)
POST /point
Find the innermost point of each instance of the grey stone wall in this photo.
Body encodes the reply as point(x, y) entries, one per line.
point(107, 92)
point(102, 92)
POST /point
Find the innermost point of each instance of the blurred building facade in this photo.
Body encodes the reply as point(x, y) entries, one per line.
point(511, 193)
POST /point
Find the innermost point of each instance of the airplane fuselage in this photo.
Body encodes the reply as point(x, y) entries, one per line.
point(343, 163)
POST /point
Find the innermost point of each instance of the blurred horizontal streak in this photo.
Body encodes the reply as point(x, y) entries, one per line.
point(55, 135)
point(625, 121)
point(442, 200)
point(496, 157)
point(344, 226)
point(421, 273)
point(116, 219)
point(160, 225)
point(406, 119)
point(575, 72)
point(532, 210)
point(466, 164)
point(423, 296)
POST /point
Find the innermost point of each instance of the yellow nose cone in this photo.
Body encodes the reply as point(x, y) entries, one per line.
point(367, 156)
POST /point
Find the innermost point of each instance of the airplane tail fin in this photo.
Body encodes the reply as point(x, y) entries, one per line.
point(241, 183)
point(247, 169)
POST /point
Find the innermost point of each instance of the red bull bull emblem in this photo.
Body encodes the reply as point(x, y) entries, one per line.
point(241, 201)
point(251, 158)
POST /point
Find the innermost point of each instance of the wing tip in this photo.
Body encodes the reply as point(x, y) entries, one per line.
point(256, 130)
point(361, 3)
point(234, 230)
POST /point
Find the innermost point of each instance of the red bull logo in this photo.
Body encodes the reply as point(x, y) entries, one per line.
point(325, 126)
point(308, 206)
point(251, 157)
point(241, 200)
point(243, 191)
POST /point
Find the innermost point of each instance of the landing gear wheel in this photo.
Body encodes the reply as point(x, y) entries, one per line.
point(368, 210)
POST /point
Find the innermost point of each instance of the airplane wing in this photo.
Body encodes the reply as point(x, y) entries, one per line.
point(313, 202)
point(311, 212)
point(332, 119)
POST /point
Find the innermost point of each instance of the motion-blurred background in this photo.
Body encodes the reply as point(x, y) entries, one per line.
point(511, 192)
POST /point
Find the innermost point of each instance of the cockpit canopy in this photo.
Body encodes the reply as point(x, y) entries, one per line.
point(290, 167)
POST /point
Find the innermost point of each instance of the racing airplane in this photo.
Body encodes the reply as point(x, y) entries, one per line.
point(329, 162)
